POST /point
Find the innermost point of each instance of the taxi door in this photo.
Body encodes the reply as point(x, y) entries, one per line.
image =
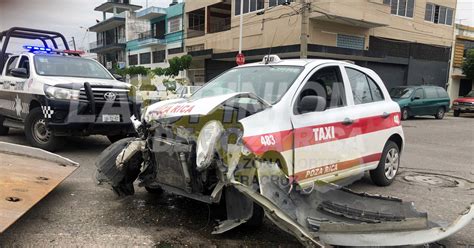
point(323, 141)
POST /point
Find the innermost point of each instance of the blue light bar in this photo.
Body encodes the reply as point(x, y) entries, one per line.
point(37, 49)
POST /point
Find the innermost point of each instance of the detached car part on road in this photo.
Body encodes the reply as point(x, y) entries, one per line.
point(27, 175)
point(53, 93)
point(280, 137)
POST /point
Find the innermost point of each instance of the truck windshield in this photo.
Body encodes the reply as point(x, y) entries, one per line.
point(401, 92)
point(62, 66)
point(470, 94)
point(267, 82)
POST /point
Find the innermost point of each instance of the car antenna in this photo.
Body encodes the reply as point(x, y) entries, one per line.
point(270, 49)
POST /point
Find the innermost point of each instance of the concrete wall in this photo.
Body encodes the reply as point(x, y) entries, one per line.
point(259, 30)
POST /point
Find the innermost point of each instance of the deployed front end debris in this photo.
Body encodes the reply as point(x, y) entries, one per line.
point(337, 216)
point(27, 175)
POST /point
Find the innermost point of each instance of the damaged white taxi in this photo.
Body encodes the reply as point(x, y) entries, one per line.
point(281, 139)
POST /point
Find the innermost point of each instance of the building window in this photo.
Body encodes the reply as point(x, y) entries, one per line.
point(351, 42)
point(249, 6)
point(401, 7)
point(175, 50)
point(159, 57)
point(145, 58)
point(195, 48)
point(133, 59)
point(439, 14)
point(279, 2)
point(175, 24)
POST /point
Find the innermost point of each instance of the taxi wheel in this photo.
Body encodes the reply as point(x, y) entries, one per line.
point(440, 114)
point(3, 129)
point(115, 138)
point(457, 113)
point(388, 167)
point(38, 134)
point(154, 191)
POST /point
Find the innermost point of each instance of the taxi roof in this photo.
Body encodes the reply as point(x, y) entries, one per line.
point(296, 62)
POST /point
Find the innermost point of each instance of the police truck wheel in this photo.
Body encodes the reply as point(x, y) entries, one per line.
point(405, 114)
point(38, 134)
point(3, 129)
point(457, 113)
point(440, 114)
point(389, 164)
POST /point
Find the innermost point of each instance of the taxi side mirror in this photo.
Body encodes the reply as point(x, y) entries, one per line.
point(416, 98)
point(312, 104)
point(19, 73)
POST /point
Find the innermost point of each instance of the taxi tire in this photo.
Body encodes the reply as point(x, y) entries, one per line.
point(115, 138)
point(53, 142)
point(378, 175)
point(3, 130)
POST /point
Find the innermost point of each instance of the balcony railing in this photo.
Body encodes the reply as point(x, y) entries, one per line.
point(150, 35)
point(103, 43)
point(219, 26)
point(196, 31)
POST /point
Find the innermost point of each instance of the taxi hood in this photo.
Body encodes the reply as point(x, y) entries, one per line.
point(185, 107)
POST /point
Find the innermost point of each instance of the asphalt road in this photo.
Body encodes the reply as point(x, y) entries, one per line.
point(437, 174)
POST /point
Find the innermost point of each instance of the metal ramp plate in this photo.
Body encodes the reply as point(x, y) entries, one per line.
point(27, 175)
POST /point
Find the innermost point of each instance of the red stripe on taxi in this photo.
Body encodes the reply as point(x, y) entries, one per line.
point(308, 136)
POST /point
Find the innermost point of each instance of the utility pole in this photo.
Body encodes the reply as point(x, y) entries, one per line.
point(74, 43)
point(241, 25)
point(304, 29)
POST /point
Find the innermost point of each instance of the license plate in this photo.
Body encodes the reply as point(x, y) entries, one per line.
point(110, 118)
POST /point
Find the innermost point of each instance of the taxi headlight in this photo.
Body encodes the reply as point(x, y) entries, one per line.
point(61, 93)
point(206, 143)
point(455, 103)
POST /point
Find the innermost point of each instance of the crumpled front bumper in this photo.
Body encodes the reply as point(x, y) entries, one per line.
point(329, 215)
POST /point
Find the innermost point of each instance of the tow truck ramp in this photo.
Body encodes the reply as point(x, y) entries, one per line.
point(27, 175)
point(338, 216)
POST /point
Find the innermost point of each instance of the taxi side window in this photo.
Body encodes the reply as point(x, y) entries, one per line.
point(326, 83)
point(11, 65)
point(419, 94)
point(364, 88)
point(25, 63)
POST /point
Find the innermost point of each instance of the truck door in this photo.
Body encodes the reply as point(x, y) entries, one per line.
point(323, 144)
point(6, 104)
point(14, 97)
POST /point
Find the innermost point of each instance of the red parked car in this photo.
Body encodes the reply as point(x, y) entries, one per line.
point(464, 104)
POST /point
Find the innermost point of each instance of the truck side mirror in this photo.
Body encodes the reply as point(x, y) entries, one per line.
point(416, 98)
point(119, 77)
point(19, 73)
point(312, 104)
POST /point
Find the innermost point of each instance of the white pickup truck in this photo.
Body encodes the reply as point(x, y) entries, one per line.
point(52, 93)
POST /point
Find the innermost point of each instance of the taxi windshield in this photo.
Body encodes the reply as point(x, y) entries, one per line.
point(268, 82)
point(63, 66)
point(470, 94)
point(401, 92)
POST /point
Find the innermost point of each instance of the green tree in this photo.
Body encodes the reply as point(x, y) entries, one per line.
point(468, 65)
point(177, 64)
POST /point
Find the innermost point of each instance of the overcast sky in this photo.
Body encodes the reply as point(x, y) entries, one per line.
point(73, 17)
